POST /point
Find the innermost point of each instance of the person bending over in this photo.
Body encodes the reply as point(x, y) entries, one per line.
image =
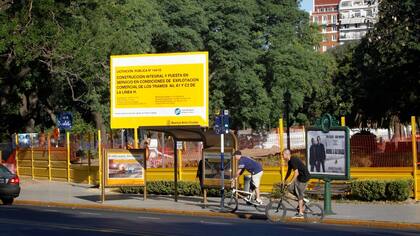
point(253, 167)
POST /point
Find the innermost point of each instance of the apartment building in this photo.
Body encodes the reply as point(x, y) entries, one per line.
point(356, 18)
point(342, 21)
point(326, 15)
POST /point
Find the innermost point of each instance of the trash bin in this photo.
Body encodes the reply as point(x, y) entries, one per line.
point(247, 182)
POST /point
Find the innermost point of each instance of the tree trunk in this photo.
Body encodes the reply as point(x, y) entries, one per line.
point(397, 128)
point(99, 123)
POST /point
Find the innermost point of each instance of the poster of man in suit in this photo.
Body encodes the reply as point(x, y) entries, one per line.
point(326, 152)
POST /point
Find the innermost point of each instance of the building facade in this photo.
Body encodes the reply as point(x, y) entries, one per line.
point(325, 14)
point(342, 21)
point(356, 18)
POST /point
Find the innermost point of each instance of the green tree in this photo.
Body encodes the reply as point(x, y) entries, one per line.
point(292, 64)
point(57, 55)
point(389, 56)
point(234, 82)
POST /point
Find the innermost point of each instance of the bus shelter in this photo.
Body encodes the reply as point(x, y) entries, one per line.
point(211, 144)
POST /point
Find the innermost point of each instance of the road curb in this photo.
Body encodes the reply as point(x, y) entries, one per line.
point(138, 209)
point(348, 222)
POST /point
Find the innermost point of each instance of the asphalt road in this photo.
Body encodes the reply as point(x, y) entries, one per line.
point(30, 220)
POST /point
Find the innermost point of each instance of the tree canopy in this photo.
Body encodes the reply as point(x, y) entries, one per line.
point(54, 56)
point(378, 78)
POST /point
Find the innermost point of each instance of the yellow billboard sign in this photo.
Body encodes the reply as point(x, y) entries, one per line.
point(159, 90)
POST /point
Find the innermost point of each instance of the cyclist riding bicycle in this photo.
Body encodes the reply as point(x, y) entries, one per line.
point(253, 167)
point(298, 184)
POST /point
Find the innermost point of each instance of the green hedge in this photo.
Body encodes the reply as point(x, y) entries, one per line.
point(375, 190)
point(167, 188)
point(364, 190)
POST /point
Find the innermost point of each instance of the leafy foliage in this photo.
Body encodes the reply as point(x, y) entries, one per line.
point(378, 79)
point(54, 56)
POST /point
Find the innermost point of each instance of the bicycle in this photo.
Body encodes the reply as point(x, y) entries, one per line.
point(313, 212)
point(250, 198)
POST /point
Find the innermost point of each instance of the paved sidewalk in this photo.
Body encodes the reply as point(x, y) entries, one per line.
point(43, 192)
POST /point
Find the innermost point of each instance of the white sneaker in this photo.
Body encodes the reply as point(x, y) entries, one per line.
point(298, 216)
point(305, 200)
point(259, 201)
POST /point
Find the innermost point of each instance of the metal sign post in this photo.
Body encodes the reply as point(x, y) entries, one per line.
point(221, 127)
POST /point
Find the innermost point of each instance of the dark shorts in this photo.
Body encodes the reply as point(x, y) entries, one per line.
point(298, 189)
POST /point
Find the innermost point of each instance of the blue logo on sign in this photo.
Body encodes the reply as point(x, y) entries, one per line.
point(177, 111)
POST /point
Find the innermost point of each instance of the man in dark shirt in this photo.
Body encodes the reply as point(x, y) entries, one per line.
point(253, 167)
point(301, 176)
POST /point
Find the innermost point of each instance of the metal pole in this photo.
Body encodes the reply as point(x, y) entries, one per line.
point(68, 156)
point(163, 150)
point(122, 138)
point(414, 144)
point(327, 197)
point(17, 153)
point(222, 170)
point(136, 138)
point(32, 157)
point(288, 125)
point(343, 121)
point(281, 140)
point(49, 156)
point(100, 159)
point(180, 163)
point(176, 170)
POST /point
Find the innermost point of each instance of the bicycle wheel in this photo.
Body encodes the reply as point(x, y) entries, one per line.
point(232, 204)
point(313, 213)
point(275, 211)
point(263, 206)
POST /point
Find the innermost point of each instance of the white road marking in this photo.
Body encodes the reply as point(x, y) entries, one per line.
point(148, 218)
point(48, 210)
point(215, 223)
point(89, 213)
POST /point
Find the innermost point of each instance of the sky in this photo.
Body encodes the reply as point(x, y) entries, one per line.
point(306, 5)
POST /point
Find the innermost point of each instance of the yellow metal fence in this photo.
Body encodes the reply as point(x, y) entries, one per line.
point(80, 174)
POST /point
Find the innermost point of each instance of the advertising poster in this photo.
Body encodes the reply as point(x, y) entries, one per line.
point(125, 167)
point(27, 140)
point(327, 153)
point(212, 173)
point(159, 90)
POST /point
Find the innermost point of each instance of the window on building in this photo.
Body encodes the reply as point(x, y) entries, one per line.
point(324, 29)
point(357, 14)
point(345, 3)
point(334, 28)
point(357, 3)
point(334, 37)
point(334, 19)
point(324, 38)
point(324, 19)
point(324, 48)
point(356, 25)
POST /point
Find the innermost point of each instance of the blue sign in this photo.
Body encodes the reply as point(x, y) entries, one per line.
point(65, 120)
point(221, 124)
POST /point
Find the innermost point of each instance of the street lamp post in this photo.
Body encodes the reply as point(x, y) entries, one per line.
point(287, 98)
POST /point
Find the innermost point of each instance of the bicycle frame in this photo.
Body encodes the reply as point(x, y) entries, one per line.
point(246, 196)
point(287, 201)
